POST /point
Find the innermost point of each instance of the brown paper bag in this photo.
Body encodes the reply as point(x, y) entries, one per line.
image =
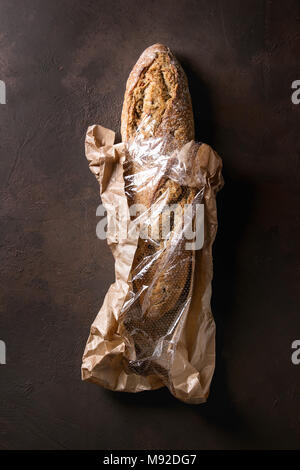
point(127, 351)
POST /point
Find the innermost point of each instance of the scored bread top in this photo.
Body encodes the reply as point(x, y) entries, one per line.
point(157, 101)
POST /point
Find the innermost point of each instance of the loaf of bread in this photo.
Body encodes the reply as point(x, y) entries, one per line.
point(157, 104)
point(157, 97)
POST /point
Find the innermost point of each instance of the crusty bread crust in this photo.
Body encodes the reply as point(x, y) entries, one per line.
point(157, 98)
point(157, 103)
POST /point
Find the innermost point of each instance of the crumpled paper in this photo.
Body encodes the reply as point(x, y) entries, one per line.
point(109, 348)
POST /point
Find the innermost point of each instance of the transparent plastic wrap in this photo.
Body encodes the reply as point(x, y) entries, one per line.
point(155, 327)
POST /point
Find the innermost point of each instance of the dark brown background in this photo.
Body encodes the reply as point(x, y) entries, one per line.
point(65, 64)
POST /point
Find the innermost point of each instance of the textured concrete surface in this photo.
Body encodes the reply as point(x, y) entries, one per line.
point(65, 64)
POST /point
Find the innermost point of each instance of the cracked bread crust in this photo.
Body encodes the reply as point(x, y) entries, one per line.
point(157, 98)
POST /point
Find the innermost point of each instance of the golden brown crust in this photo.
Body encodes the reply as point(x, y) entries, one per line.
point(157, 98)
point(157, 103)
